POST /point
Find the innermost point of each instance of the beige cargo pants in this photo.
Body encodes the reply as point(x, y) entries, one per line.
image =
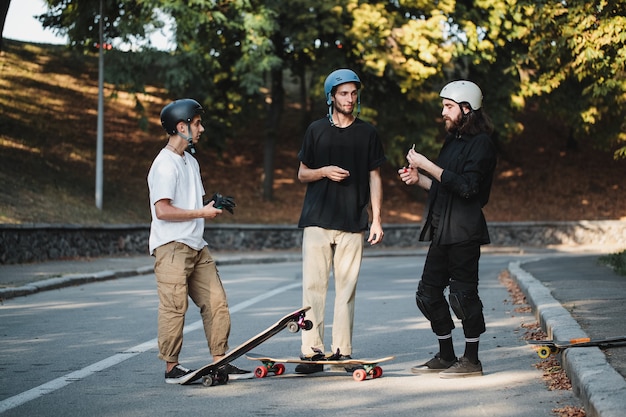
point(183, 272)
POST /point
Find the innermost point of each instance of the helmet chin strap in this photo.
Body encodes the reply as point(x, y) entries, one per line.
point(189, 139)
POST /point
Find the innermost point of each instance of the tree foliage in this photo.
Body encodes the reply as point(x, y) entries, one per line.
point(125, 20)
point(233, 56)
point(575, 63)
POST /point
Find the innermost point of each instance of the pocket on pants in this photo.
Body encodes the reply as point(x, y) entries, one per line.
point(173, 296)
point(171, 279)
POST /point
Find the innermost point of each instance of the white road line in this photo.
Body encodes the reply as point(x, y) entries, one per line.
point(75, 376)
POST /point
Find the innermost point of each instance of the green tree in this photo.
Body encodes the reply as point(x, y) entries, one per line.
point(234, 55)
point(401, 49)
point(576, 65)
point(125, 20)
point(248, 47)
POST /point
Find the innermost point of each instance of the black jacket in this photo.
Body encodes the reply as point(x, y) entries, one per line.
point(468, 164)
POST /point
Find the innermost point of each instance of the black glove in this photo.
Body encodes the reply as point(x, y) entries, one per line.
point(221, 202)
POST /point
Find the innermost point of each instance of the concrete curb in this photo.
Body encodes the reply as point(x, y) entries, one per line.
point(68, 280)
point(601, 388)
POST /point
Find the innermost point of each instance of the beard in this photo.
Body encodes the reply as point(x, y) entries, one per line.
point(341, 110)
point(453, 125)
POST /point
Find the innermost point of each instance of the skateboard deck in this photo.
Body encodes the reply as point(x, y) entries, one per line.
point(211, 374)
point(365, 367)
point(550, 347)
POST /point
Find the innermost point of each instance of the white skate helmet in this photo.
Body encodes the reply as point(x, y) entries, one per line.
point(463, 91)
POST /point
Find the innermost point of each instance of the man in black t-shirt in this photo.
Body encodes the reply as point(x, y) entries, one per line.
point(340, 162)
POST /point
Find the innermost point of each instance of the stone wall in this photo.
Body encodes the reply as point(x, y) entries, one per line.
point(42, 242)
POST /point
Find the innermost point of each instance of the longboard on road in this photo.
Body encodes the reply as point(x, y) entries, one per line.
point(551, 347)
point(211, 374)
point(365, 367)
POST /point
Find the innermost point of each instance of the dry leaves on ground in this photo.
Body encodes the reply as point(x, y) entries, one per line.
point(569, 411)
point(553, 374)
point(517, 296)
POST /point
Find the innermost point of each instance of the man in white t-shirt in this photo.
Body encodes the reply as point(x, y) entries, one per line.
point(183, 265)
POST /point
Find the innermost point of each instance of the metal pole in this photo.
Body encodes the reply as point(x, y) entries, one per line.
point(100, 138)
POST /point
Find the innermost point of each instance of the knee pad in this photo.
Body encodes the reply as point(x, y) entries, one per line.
point(423, 306)
point(465, 304)
point(429, 300)
point(457, 307)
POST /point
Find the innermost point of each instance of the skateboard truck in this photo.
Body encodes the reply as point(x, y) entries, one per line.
point(220, 377)
point(301, 323)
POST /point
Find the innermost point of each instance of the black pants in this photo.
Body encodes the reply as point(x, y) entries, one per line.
point(455, 266)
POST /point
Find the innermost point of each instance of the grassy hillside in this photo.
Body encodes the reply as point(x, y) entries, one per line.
point(48, 111)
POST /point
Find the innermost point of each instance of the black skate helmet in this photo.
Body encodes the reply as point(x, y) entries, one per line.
point(182, 110)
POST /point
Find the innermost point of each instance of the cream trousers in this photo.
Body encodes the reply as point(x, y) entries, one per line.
point(323, 250)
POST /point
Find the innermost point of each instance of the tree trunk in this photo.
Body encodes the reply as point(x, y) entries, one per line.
point(273, 123)
point(4, 10)
point(305, 112)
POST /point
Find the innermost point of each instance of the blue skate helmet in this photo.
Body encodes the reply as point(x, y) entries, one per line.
point(338, 77)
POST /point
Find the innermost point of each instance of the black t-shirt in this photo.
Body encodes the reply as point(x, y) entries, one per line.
point(356, 148)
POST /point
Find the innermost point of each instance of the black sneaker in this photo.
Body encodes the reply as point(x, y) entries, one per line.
point(436, 364)
point(309, 368)
point(341, 368)
point(178, 375)
point(462, 369)
point(236, 373)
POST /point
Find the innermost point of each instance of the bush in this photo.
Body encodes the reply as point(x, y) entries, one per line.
point(617, 261)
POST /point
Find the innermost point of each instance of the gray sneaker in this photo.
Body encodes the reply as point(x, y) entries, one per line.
point(462, 369)
point(436, 364)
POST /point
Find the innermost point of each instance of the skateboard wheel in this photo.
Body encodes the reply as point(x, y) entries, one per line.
point(260, 372)
point(279, 369)
point(207, 380)
point(544, 352)
point(359, 375)
point(307, 325)
point(377, 372)
point(554, 350)
point(293, 327)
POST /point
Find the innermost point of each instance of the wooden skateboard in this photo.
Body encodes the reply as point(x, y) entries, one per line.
point(365, 367)
point(552, 347)
point(211, 374)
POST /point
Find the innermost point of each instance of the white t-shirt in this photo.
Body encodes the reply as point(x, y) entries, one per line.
point(176, 178)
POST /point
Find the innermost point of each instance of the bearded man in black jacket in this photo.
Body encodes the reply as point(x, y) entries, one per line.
point(458, 185)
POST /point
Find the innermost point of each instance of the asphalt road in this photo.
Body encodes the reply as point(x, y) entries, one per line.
point(91, 350)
